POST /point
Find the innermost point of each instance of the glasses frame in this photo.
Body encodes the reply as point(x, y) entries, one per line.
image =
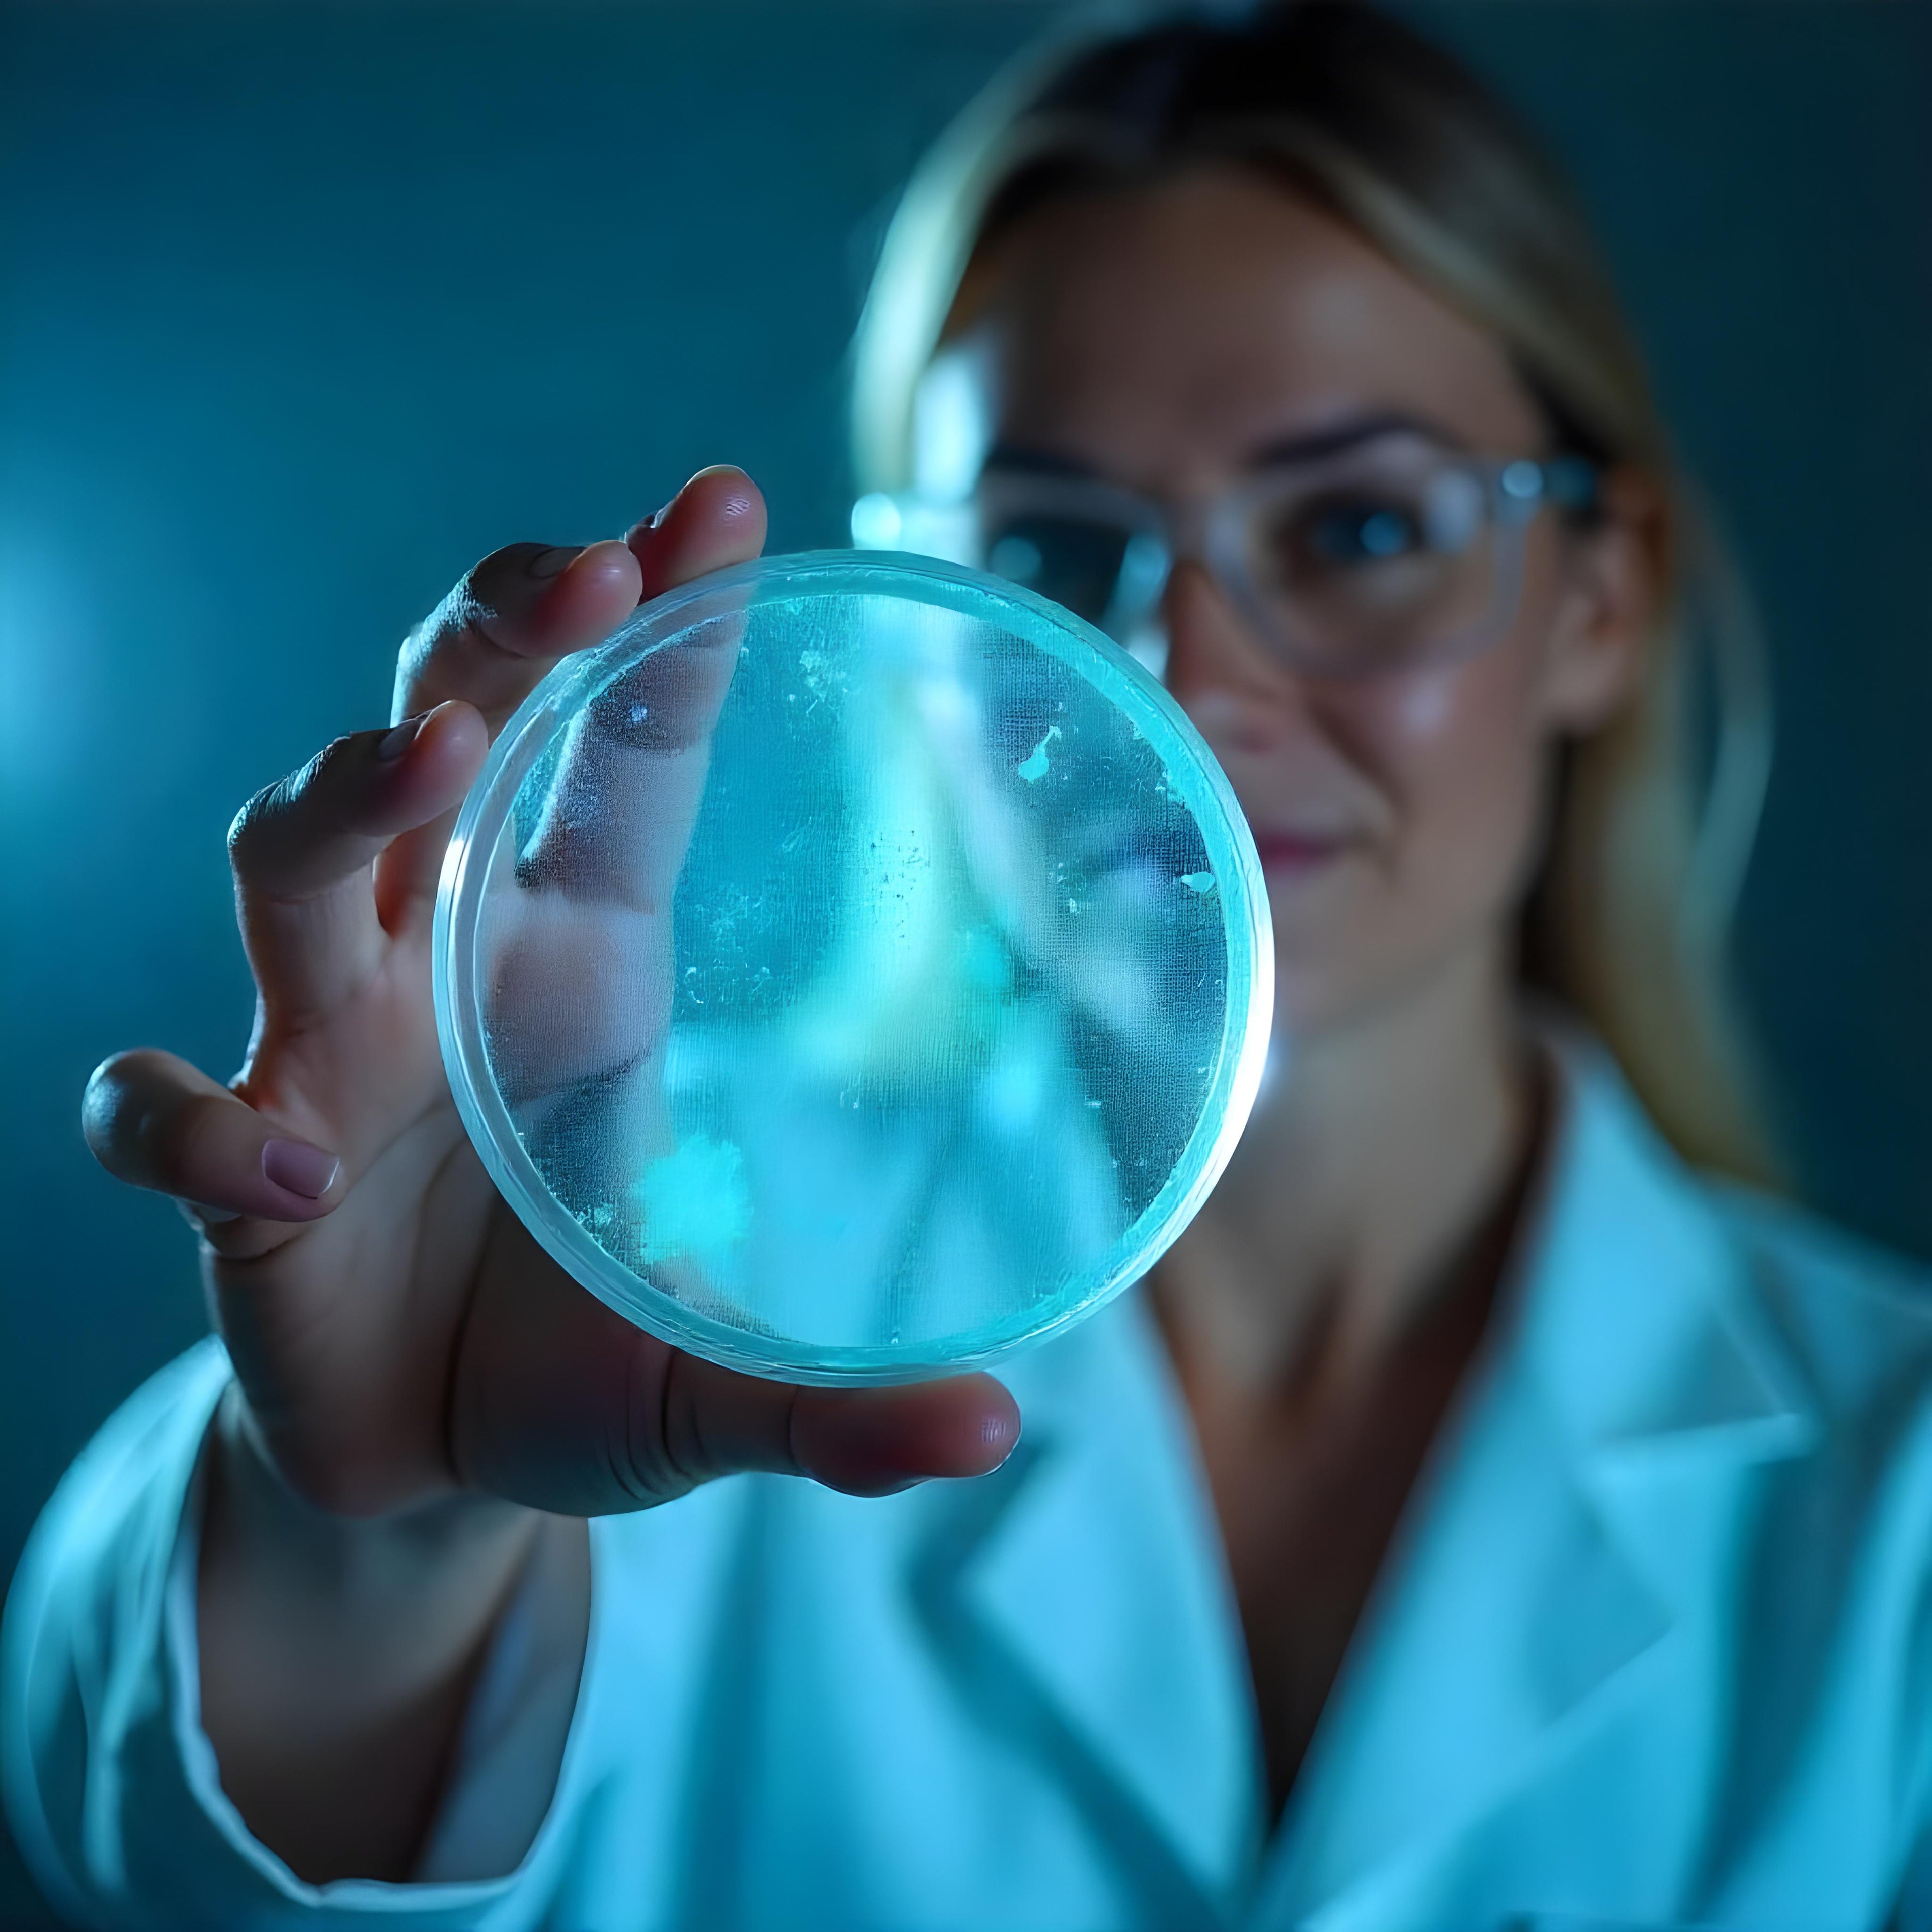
point(1214, 530)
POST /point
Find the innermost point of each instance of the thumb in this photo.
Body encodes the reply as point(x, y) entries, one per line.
point(560, 1403)
point(870, 1442)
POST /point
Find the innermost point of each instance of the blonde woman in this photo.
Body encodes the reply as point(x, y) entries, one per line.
point(1482, 1519)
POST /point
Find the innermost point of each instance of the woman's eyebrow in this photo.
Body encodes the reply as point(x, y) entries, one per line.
point(1347, 434)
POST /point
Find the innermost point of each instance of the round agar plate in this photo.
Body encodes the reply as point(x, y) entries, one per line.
point(855, 969)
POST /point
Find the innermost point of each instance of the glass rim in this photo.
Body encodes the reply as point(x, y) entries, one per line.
point(489, 810)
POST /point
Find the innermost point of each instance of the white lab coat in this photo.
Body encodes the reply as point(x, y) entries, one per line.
point(1651, 1648)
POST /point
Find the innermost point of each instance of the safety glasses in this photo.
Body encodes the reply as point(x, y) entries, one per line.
point(1388, 553)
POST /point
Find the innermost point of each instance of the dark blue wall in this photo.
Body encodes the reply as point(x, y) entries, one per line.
point(304, 306)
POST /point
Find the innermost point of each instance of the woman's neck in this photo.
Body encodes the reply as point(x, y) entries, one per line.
point(1376, 1153)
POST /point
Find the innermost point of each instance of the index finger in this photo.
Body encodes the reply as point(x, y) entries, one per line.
point(627, 789)
point(582, 955)
point(493, 637)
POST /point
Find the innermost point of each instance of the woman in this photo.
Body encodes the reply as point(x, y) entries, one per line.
point(1479, 1520)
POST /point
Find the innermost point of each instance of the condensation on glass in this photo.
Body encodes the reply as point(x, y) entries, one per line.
point(855, 969)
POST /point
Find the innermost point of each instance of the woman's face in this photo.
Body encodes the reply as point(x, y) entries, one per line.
point(1169, 340)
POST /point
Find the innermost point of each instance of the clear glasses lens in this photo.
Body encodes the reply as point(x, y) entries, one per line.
point(1392, 552)
point(1097, 565)
point(1386, 556)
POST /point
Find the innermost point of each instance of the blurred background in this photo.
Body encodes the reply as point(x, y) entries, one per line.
point(305, 305)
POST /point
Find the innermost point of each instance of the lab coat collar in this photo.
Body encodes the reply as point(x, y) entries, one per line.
point(1563, 1529)
point(1092, 1552)
point(1573, 1523)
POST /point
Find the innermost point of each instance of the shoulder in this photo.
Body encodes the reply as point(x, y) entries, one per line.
point(1854, 1318)
point(1755, 1308)
point(1665, 1301)
point(135, 1472)
point(1807, 1249)
point(84, 1679)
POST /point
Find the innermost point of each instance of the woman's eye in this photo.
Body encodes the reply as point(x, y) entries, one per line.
point(1348, 533)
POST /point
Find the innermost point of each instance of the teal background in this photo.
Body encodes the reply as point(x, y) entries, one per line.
point(304, 306)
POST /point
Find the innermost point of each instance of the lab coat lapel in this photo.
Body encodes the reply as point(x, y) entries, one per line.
point(1572, 1522)
point(1083, 1593)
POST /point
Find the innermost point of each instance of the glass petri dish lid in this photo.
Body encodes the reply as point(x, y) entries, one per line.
point(855, 969)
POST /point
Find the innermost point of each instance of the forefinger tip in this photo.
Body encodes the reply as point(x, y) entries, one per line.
point(727, 492)
point(718, 518)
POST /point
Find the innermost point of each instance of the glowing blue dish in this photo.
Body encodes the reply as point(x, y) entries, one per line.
point(855, 969)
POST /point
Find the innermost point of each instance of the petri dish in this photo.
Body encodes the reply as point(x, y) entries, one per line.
point(855, 969)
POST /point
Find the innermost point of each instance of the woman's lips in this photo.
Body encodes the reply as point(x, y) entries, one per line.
point(1291, 855)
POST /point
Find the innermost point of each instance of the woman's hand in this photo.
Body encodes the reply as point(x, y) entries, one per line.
point(396, 1334)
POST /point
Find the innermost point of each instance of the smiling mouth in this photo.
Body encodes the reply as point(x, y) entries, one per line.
point(1295, 855)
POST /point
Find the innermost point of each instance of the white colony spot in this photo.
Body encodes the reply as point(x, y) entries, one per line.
point(1035, 768)
point(816, 667)
point(694, 1201)
point(1198, 882)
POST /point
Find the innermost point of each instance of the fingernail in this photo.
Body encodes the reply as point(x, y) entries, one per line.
point(302, 1169)
point(658, 516)
point(555, 561)
point(394, 743)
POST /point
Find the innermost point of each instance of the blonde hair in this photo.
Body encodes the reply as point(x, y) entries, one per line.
point(1628, 921)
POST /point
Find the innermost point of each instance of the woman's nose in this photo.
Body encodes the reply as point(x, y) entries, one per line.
point(1238, 693)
